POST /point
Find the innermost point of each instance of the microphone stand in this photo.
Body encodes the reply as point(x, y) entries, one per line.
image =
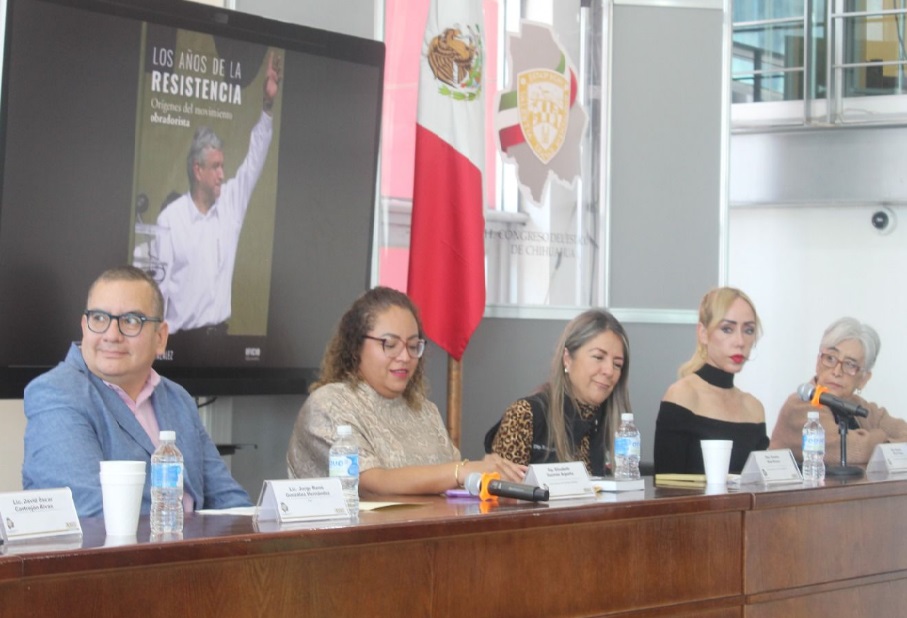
point(843, 471)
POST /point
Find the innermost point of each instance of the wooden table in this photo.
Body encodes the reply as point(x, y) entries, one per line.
point(840, 550)
point(832, 551)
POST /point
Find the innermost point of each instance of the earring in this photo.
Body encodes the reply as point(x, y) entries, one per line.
point(857, 391)
point(566, 369)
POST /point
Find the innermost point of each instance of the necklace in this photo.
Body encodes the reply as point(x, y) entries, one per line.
point(715, 376)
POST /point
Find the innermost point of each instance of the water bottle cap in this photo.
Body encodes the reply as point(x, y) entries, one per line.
point(344, 430)
point(168, 436)
point(813, 415)
point(626, 416)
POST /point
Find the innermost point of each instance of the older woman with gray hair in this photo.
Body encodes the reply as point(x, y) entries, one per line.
point(847, 355)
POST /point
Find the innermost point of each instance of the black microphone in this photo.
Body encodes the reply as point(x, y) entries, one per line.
point(819, 394)
point(484, 485)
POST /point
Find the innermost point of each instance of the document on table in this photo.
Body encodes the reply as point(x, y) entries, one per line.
point(691, 481)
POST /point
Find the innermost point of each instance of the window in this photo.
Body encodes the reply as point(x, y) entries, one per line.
point(869, 63)
point(818, 62)
point(769, 51)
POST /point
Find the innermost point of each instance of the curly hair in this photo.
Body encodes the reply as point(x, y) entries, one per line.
point(343, 353)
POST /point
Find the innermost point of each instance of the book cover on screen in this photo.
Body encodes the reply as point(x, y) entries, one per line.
point(205, 179)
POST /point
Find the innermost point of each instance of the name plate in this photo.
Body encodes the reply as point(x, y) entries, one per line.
point(38, 514)
point(563, 480)
point(889, 458)
point(294, 500)
point(775, 467)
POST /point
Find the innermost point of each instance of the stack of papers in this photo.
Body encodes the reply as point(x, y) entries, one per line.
point(691, 481)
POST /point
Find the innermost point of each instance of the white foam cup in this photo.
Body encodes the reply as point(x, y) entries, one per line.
point(123, 466)
point(716, 456)
point(122, 483)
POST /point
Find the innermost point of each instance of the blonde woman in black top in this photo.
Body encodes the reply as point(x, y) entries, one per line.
point(704, 404)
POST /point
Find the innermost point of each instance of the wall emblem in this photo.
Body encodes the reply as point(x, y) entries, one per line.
point(539, 121)
point(543, 96)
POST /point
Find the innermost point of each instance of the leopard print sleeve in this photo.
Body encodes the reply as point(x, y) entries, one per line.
point(514, 438)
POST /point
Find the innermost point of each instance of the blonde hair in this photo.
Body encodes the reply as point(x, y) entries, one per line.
point(713, 308)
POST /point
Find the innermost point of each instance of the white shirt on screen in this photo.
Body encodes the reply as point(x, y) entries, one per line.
point(199, 250)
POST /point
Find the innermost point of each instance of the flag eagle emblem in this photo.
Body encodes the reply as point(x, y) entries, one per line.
point(455, 59)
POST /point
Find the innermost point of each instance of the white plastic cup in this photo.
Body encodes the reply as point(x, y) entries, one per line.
point(122, 484)
point(716, 456)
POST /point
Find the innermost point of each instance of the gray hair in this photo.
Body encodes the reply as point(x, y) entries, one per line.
point(850, 328)
point(204, 139)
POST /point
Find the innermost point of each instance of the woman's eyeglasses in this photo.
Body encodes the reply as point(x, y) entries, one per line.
point(393, 346)
point(831, 361)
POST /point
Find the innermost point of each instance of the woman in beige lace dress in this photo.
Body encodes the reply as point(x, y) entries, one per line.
point(372, 378)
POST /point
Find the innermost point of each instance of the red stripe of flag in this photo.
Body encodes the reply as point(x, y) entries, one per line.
point(447, 246)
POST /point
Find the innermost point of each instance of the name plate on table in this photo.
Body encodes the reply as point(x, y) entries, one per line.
point(38, 514)
point(775, 467)
point(294, 500)
point(563, 480)
point(890, 458)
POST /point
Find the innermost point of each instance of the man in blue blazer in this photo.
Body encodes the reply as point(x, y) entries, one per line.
point(105, 402)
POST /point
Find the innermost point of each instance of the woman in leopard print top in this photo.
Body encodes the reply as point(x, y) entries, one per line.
point(574, 415)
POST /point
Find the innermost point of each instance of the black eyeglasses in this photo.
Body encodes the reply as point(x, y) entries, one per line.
point(129, 324)
point(831, 361)
point(393, 346)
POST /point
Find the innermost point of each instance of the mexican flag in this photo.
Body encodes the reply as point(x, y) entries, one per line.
point(447, 248)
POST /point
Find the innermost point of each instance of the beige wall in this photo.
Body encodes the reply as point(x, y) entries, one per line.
point(12, 429)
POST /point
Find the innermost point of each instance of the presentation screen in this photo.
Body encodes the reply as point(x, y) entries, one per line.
point(231, 157)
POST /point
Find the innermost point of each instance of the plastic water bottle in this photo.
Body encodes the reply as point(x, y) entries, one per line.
point(167, 486)
point(626, 449)
point(344, 463)
point(813, 449)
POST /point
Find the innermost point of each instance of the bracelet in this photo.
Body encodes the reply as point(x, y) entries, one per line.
point(457, 472)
